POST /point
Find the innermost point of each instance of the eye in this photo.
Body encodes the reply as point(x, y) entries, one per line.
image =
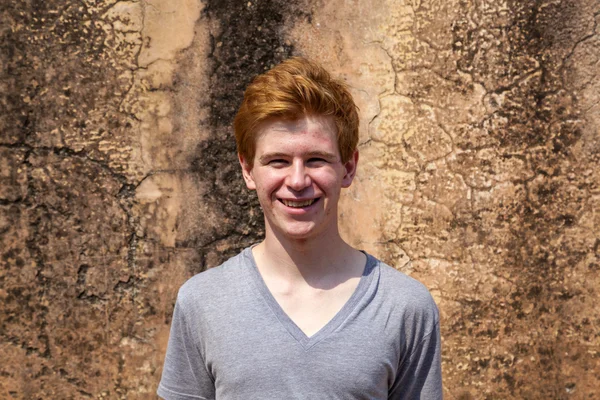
point(278, 163)
point(316, 161)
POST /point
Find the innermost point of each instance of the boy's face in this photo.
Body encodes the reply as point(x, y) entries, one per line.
point(298, 175)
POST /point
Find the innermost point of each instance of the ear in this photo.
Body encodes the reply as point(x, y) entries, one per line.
point(247, 173)
point(350, 167)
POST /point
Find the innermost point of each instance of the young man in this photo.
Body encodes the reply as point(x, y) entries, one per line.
point(301, 315)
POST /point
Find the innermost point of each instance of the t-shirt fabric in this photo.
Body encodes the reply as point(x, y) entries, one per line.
point(230, 339)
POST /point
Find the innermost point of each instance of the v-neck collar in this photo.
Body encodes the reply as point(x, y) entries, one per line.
point(304, 340)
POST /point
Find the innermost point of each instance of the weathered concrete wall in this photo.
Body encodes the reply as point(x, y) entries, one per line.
point(480, 155)
point(118, 179)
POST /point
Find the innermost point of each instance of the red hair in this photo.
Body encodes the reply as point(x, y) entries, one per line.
point(290, 90)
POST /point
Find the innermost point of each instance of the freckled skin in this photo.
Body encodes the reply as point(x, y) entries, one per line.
point(299, 160)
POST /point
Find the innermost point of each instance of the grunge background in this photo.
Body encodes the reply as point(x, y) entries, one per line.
point(479, 162)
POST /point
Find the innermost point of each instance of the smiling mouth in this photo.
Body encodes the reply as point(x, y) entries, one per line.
point(299, 204)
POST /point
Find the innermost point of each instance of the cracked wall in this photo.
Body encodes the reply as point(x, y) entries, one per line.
point(480, 152)
point(118, 180)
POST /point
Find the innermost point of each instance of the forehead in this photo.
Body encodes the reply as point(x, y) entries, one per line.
point(306, 129)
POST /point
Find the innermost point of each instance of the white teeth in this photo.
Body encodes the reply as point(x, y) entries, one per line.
point(291, 203)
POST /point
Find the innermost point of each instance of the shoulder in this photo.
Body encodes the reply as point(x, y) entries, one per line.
point(402, 284)
point(216, 283)
point(406, 295)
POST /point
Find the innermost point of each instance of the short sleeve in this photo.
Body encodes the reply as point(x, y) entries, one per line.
point(184, 375)
point(420, 375)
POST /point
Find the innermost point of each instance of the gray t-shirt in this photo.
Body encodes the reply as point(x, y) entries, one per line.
point(230, 339)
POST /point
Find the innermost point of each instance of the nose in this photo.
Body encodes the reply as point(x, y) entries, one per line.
point(298, 178)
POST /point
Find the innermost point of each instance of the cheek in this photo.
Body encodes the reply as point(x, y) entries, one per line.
point(262, 193)
point(265, 190)
point(271, 181)
point(327, 178)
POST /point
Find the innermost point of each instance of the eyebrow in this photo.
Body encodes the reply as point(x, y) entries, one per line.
point(312, 154)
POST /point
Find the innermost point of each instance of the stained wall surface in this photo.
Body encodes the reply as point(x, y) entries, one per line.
point(478, 175)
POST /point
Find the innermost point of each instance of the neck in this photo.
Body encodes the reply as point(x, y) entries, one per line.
point(309, 260)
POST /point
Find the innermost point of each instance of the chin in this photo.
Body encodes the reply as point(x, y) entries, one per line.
point(298, 232)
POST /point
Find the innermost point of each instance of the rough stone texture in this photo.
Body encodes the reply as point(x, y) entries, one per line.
point(119, 180)
point(481, 151)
